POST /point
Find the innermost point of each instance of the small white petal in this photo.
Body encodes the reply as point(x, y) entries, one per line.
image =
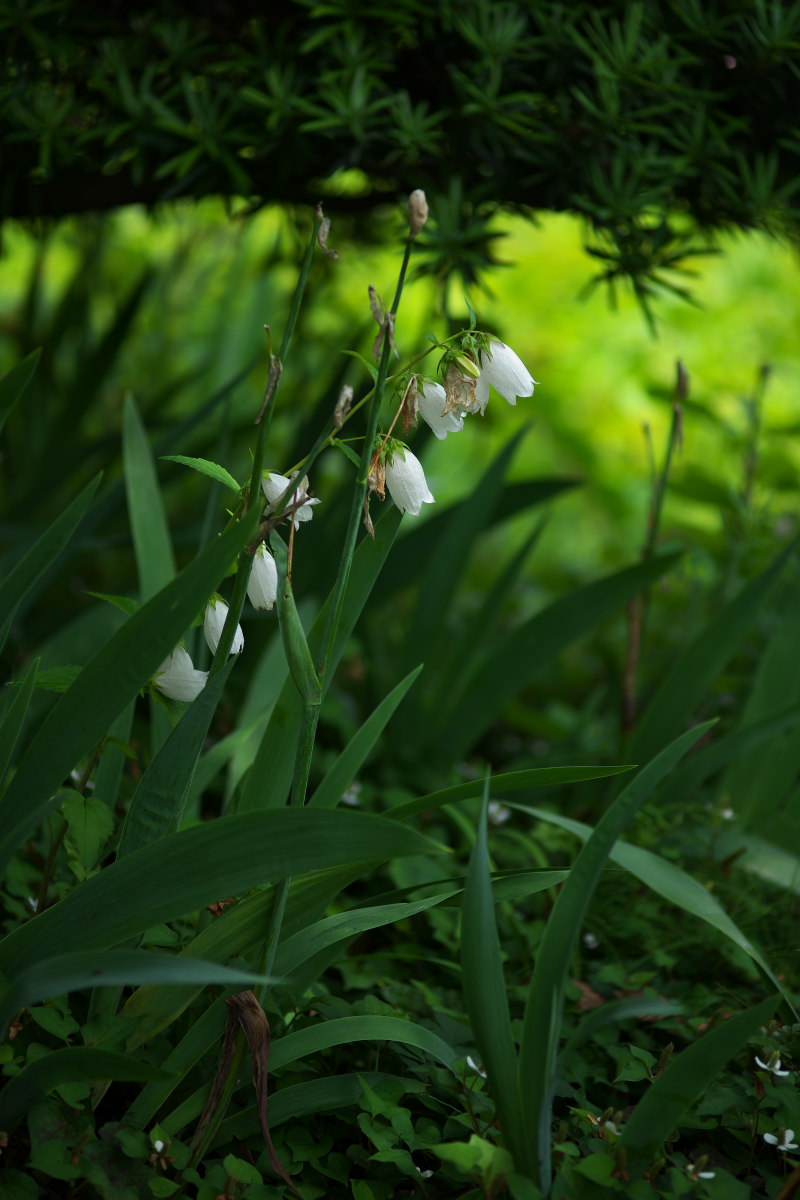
point(406, 482)
point(158, 1145)
point(177, 678)
point(498, 813)
point(274, 487)
point(431, 400)
point(770, 1137)
point(506, 372)
point(213, 624)
point(473, 1066)
point(705, 1174)
point(262, 586)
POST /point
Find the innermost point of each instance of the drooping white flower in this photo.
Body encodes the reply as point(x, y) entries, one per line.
point(275, 485)
point(177, 677)
point(406, 482)
point(772, 1064)
point(695, 1174)
point(505, 371)
point(213, 624)
point(498, 813)
point(785, 1142)
point(262, 587)
point(431, 401)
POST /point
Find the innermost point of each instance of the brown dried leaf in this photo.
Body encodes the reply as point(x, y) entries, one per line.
point(459, 391)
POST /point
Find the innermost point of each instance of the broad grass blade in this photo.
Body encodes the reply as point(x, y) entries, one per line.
point(344, 769)
point(14, 384)
point(15, 718)
point(87, 969)
point(44, 552)
point(158, 803)
point(695, 669)
point(524, 652)
point(545, 1004)
point(107, 683)
point(669, 881)
point(78, 1063)
point(151, 540)
point(485, 993)
point(685, 1079)
point(199, 866)
point(513, 781)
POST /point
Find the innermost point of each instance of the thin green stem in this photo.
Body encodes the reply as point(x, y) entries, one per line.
point(254, 487)
point(360, 490)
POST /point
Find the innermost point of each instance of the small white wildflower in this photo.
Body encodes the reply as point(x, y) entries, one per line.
point(498, 813)
point(158, 1145)
point(406, 482)
point(424, 1174)
point(473, 1066)
point(784, 1143)
point(353, 794)
point(773, 1064)
point(590, 941)
point(262, 586)
point(505, 371)
point(431, 400)
point(213, 624)
point(694, 1174)
point(274, 487)
point(177, 677)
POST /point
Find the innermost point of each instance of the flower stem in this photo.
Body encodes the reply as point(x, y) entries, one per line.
point(265, 420)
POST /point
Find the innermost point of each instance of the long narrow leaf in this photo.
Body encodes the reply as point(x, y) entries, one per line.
point(485, 993)
point(110, 681)
point(524, 652)
point(344, 769)
point(686, 1079)
point(151, 541)
point(14, 384)
point(545, 1004)
point(199, 866)
point(86, 969)
point(15, 718)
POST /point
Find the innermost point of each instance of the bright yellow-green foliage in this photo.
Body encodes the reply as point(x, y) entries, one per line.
point(602, 374)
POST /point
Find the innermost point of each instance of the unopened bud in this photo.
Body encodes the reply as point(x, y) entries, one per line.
point(417, 211)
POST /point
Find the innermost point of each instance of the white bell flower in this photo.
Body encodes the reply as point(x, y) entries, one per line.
point(262, 586)
point(213, 624)
point(772, 1064)
point(505, 371)
point(177, 677)
point(431, 401)
point(406, 481)
point(274, 487)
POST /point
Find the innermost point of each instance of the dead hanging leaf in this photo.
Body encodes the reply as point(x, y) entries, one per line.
point(384, 319)
point(343, 406)
point(370, 528)
point(410, 406)
point(322, 234)
point(376, 480)
point(460, 391)
point(245, 1015)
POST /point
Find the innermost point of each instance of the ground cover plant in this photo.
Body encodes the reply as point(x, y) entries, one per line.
point(402, 892)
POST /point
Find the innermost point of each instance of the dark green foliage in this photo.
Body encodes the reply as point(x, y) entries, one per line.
point(627, 113)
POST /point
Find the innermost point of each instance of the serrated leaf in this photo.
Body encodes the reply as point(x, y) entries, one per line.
point(206, 467)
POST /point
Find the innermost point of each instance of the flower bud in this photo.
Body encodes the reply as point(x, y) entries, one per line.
point(417, 211)
point(406, 481)
point(262, 586)
point(214, 623)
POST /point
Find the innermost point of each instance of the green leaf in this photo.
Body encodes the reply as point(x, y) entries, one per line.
point(206, 467)
point(197, 867)
point(45, 552)
point(545, 1003)
point(347, 451)
point(271, 773)
point(58, 679)
point(526, 651)
point(15, 718)
point(669, 881)
point(694, 669)
point(126, 603)
point(485, 992)
point(107, 684)
point(685, 1079)
point(15, 383)
point(151, 541)
point(513, 781)
point(85, 969)
point(90, 824)
point(158, 803)
point(78, 1063)
point(342, 772)
point(241, 1171)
